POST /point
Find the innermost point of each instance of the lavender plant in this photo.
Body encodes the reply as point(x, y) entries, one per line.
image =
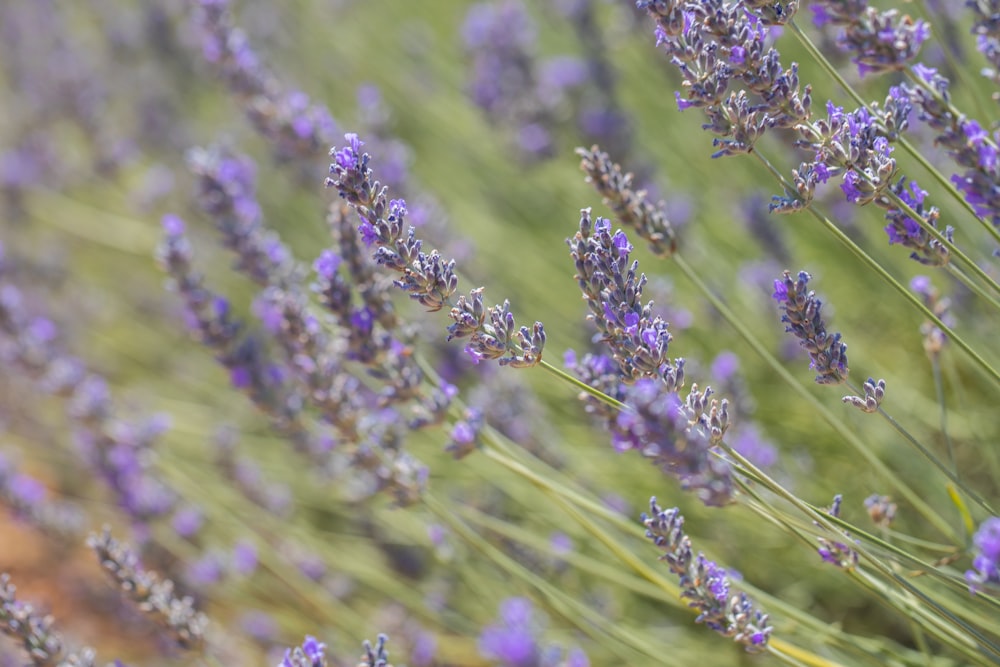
point(321, 412)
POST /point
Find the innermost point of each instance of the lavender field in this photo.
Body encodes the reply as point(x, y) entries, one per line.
point(527, 333)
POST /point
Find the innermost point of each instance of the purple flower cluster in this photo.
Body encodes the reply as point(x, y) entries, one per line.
point(27, 498)
point(209, 318)
point(934, 337)
point(227, 192)
point(630, 207)
point(606, 276)
point(118, 452)
point(881, 510)
point(802, 319)
point(986, 563)
point(715, 44)
point(836, 552)
point(986, 28)
point(294, 126)
point(704, 584)
point(718, 44)
point(499, 37)
point(881, 41)
point(312, 653)
point(35, 633)
point(970, 146)
point(427, 277)
point(681, 437)
point(515, 640)
point(153, 595)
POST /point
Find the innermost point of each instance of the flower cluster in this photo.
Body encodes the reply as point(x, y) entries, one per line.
point(638, 340)
point(881, 510)
point(26, 497)
point(514, 641)
point(427, 277)
point(153, 595)
point(292, 123)
point(630, 207)
point(803, 319)
point(704, 584)
point(836, 552)
point(986, 563)
point(987, 31)
point(934, 337)
point(119, 453)
point(881, 41)
point(718, 44)
point(874, 393)
point(970, 146)
point(39, 640)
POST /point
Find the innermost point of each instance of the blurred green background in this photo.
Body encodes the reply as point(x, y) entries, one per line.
point(83, 238)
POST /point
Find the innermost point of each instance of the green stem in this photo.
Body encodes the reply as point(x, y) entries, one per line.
point(837, 424)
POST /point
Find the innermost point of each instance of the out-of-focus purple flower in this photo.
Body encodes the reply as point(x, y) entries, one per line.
point(206, 570)
point(748, 441)
point(155, 596)
point(465, 433)
point(986, 562)
point(244, 558)
point(512, 640)
point(704, 584)
point(934, 337)
point(294, 125)
point(424, 649)
point(260, 625)
point(724, 366)
point(631, 207)
point(187, 521)
point(881, 509)
point(835, 552)
point(880, 41)
point(312, 653)
point(560, 543)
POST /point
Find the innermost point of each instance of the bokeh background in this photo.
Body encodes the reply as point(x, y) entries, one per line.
point(101, 102)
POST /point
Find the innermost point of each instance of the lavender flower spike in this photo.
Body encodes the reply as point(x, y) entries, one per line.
point(803, 319)
point(154, 595)
point(42, 644)
point(427, 277)
point(608, 280)
point(704, 584)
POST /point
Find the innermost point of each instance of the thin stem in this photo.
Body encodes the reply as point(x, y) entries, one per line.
point(891, 281)
point(837, 424)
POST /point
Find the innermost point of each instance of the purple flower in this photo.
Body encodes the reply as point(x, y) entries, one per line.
point(244, 558)
point(427, 277)
point(704, 584)
point(836, 552)
point(986, 562)
point(512, 641)
point(608, 280)
point(312, 653)
point(803, 319)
